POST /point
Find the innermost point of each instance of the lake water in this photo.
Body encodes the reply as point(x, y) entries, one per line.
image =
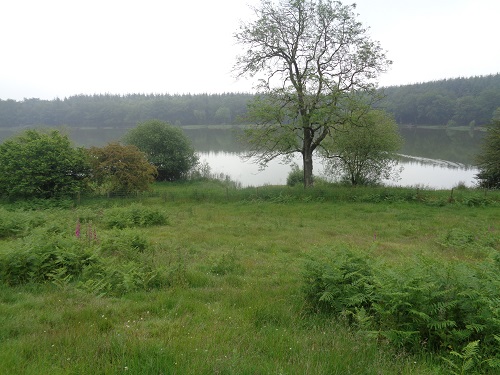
point(438, 159)
point(428, 173)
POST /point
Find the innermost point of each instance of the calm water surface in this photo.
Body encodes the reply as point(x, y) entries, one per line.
point(435, 174)
point(438, 159)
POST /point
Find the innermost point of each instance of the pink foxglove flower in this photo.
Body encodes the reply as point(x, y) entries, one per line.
point(77, 229)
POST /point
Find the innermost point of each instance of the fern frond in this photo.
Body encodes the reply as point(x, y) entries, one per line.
point(326, 296)
point(475, 327)
point(441, 324)
point(471, 349)
point(493, 362)
point(467, 365)
point(451, 364)
point(441, 307)
point(420, 314)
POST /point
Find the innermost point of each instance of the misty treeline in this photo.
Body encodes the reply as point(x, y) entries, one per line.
point(125, 110)
point(459, 101)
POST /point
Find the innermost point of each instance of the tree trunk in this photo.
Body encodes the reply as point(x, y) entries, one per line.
point(307, 160)
point(308, 169)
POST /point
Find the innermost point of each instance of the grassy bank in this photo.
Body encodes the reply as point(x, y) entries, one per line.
point(202, 278)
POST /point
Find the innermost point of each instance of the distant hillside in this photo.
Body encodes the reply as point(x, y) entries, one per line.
point(460, 101)
point(125, 111)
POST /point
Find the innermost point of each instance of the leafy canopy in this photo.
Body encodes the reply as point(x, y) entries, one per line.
point(120, 169)
point(165, 146)
point(315, 62)
point(488, 160)
point(364, 153)
point(41, 164)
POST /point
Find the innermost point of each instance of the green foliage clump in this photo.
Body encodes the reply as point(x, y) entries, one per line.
point(166, 147)
point(12, 224)
point(47, 257)
point(432, 306)
point(488, 160)
point(340, 287)
point(120, 169)
point(135, 215)
point(363, 151)
point(463, 362)
point(124, 243)
point(112, 265)
point(295, 177)
point(109, 277)
point(38, 164)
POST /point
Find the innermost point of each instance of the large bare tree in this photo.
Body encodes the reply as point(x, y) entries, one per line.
point(315, 64)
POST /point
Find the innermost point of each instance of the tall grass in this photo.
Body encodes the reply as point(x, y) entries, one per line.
point(216, 285)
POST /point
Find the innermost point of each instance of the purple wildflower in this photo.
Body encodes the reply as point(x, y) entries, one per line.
point(77, 229)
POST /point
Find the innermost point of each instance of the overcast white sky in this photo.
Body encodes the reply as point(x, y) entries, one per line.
point(59, 48)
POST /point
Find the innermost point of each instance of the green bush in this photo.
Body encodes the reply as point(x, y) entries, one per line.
point(124, 243)
point(340, 287)
point(295, 177)
point(11, 223)
point(166, 147)
point(111, 278)
point(45, 258)
point(18, 223)
point(135, 215)
point(432, 306)
point(112, 265)
point(41, 164)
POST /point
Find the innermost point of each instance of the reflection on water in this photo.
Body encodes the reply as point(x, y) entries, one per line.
point(439, 159)
point(445, 144)
point(433, 158)
point(423, 173)
point(434, 176)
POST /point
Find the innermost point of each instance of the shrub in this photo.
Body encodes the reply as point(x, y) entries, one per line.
point(118, 169)
point(12, 223)
point(125, 243)
point(44, 258)
point(340, 287)
point(111, 278)
point(49, 256)
point(38, 164)
point(430, 306)
point(135, 215)
point(166, 147)
point(296, 176)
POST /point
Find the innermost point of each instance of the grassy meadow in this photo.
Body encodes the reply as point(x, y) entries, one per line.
point(202, 278)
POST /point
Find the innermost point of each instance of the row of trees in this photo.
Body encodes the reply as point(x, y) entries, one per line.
point(124, 111)
point(44, 164)
point(317, 67)
point(459, 101)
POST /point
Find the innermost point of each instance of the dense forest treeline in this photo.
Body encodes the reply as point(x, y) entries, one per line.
point(125, 110)
point(460, 101)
